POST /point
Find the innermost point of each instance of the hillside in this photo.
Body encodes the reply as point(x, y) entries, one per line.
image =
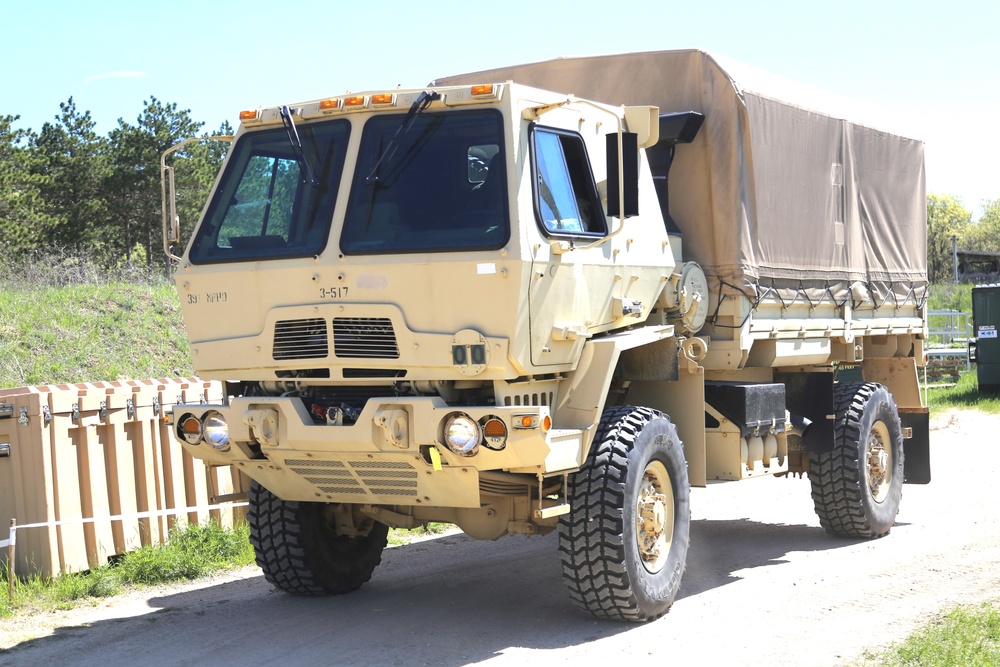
point(96, 331)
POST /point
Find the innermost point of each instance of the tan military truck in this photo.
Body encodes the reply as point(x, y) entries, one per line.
point(476, 303)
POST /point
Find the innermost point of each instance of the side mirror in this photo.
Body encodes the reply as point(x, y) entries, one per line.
point(171, 221)
point(623, 195)
point(168, 195)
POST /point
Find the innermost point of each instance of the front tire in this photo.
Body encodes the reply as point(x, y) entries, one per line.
point(299, 551)
point(624, 543)
point(856, 488)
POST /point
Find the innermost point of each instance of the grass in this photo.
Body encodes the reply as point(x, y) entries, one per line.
point(192, 551)
point(964, 395)
point(400, 537)
point(77, 333)
point(963, 637)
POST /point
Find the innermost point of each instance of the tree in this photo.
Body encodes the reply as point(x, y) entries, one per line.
point(984, 234)
point(196, 168)
point(946, 217)
point(22, 228)
point(134, 179)
point(70, 168)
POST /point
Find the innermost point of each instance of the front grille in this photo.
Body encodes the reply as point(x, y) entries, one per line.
point(301, 339)
point(364, 338)
point(379, 478)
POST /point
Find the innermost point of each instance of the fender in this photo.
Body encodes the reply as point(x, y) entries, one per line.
point(582, 401)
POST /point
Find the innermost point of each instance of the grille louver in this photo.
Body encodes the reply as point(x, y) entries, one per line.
point(364, 338)
point(379, 478)
point(301, 339)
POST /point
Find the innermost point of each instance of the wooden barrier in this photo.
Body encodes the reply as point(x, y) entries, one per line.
point(98, 450)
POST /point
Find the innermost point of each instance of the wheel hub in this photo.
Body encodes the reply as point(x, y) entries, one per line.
point(653, 514)
point(879, 461)
point(654, 517)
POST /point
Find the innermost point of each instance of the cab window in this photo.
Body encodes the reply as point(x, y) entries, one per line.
point(438, 186)
point(264, 206)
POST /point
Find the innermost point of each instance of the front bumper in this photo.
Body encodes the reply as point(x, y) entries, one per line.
point(392, 455)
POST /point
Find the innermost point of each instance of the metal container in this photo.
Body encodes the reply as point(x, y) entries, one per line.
point(985, 325)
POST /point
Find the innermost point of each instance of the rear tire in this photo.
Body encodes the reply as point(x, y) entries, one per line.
point(624, 543)
point(300, 552)
point(856, 488)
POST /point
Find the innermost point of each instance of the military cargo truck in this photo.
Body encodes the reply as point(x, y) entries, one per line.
point(554, 297)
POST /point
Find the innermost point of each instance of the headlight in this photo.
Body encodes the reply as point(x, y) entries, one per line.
point(462, 434)
point(216, 431)
point(189, 429)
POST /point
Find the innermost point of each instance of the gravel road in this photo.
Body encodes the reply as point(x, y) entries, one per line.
point(764, 585)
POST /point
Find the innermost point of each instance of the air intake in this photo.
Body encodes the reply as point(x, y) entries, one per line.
point(301, 339)
point(364, 338)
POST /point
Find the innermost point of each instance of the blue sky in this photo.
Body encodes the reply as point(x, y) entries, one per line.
point(931, 65)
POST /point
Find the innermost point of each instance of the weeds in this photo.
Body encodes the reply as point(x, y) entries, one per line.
point(965, 394)
point(92, 332)
point(963, 637)
point(192, 551)
point(400, 537)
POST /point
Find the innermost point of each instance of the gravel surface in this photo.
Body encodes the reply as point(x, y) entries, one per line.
point(765, 585)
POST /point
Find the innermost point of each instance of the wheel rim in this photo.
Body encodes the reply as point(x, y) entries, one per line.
point(654, 512)
point(878, 461)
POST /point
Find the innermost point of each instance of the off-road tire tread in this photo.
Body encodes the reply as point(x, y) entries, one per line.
point(835, 477)
point(591, 544)
point(282, 551)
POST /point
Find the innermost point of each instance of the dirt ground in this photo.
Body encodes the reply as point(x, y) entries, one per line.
point(765, 585)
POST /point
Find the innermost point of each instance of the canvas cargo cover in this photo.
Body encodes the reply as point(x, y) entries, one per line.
point(782, 187)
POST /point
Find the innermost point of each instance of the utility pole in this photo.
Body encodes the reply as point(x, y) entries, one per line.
point(954, 258)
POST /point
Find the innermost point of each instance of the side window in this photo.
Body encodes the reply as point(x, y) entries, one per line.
point(566, 199)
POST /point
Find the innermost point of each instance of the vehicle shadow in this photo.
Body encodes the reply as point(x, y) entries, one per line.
point(721, 548)
point(447, 601)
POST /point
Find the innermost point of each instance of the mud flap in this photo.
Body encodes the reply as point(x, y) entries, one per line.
point(916, 448)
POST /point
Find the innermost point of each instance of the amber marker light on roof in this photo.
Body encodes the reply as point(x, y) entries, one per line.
point(383, 98)
point(483, 90)
point(329, 105)
point(354, 102)
point(250, 114)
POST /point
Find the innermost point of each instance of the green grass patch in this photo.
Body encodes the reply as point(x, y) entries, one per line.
point(191, 552)
point(399, 537)
point(963, 637)
point(965, 394)
point(91, 332)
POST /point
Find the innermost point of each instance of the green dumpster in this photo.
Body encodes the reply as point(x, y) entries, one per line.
point(986, 323)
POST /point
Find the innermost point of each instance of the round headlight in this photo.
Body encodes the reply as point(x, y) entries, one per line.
point(462, 434)
point(189, 429)
point(216, 431)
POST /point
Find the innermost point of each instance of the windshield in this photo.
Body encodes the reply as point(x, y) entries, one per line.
point(265, 206)
point(440, 186)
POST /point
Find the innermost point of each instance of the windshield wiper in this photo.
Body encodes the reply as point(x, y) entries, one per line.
point(293, 139)
point(422, 102)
